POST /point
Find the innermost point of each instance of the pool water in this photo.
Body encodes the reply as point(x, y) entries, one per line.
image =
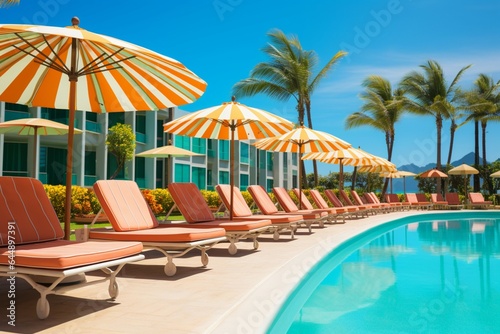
point(433, 276)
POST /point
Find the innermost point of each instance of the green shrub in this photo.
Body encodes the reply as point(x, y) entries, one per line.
point(163, 197)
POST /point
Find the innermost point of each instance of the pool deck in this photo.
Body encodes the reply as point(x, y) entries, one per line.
point(234, 294)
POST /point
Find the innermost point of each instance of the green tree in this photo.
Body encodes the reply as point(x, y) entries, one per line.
point(121, 144)
point(382, 108)
point(432, 96)
point(483, 106)
point(287, 74)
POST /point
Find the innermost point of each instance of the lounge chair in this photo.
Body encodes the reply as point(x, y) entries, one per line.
point(351, 209)
point(371, 198)
point(416, 204)
point(438, 202)
point(131, 219)
point(393, 198)
point(197, 214)
point(476, 200)
point(267, 207)
point(322, 204)
point(333, 213)
point(241, 211)
point(345, 197)
point(314, 216)
point(373, 207)
point(31, 245)
point(453, 201)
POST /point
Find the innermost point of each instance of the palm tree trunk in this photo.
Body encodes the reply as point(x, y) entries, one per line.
point(476, 182)
point(389, 142)
point(439, 126)
point(453, 128)
point(310, 124)
point(485, 163)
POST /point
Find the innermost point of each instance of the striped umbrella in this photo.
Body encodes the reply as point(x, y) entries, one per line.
point(348, 156)
point(71, 68)
point(302, 140)
point(230, 121)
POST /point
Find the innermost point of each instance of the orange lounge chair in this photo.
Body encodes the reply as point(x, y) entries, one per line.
point(31, 244)
point(365, 208)
point(333, 213)
point(267, 207)
point(393, 198)
point(371, 198)
point(375, 208)
point(476, 200)
point(415, 203)
point(132, 219)
point(322, 204)
point(314, 216)
point(351, 209)
point(241, 211)
point(197, 213)
point(438, 202)
point(453, 201)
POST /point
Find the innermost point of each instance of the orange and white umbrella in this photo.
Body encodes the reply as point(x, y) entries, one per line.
point(302, 140)
point(432, 173)
point(348, 156)
point(71, 68)
point(230, 121)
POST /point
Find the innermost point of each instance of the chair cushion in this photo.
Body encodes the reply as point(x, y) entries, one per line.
point(240, 206)
point(24, 201)
point(262, 199)
point(190, 202)
point(162, 233)
point(284, 199)
point(64, 254)
point(230, 225)
point(134, 216)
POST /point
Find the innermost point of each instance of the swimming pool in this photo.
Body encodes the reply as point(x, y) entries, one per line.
point(435, 273)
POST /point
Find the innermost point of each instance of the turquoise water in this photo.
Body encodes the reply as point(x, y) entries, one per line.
point(440, 274)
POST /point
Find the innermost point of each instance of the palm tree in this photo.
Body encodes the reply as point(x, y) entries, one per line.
point(432, 96)
point(381, 110)
point(484, 106)
point(287, 74)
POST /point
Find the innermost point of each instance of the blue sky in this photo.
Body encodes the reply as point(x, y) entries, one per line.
point(221, 41)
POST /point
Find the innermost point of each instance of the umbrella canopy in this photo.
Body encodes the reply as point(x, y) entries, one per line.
point(229, 121)
point(41, 66)
point(464, 170)
point(167, 152)
point(34, 127)
point(396, 175)
point(302, 140)
point(496, 174)
point(348, 156)
point(432, 173)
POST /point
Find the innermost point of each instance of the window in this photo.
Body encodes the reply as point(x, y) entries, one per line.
point(224, 177)
point(115, 118)
point(140, 172)
point(270, 161)
point(199, 145)
point(199, 177)
point(159, 133)
point(90, 163)
point(16, 107)
point(244, 181)
point(224, 149)
point(183, 142)
point(244, 153)
point(181, 173)
point(211, 146)
point(270, 185)
point(15, 159)
point(262, 159)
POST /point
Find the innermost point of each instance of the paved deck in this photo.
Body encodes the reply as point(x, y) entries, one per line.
point(234, 294)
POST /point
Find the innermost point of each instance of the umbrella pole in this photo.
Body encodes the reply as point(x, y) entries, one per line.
point(69, 157)
point(300, 176)
point(35, 149)
point(231, 170)
point(341, 175)
point(404, 185)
